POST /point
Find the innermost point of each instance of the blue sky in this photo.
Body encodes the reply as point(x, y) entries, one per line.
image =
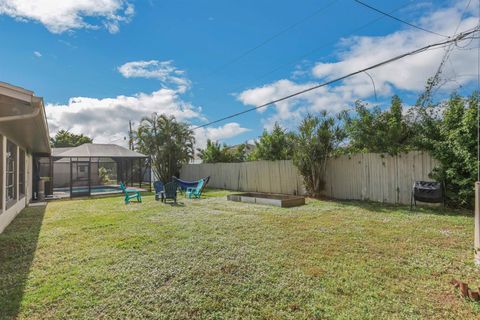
point(101, 63)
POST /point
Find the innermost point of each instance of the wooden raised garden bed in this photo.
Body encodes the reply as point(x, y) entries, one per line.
point(278, 200)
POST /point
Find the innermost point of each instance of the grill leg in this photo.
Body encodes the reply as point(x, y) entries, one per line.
point(411, 201)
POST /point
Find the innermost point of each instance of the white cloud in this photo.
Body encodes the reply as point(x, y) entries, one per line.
point(164, 71)
point(106, 120)
point(37, 54)
point(68, 44)
point(62, 15)
point(357, 52)
point(286, 111)
point(412, 72)
point(221, 133)
point(290, 112)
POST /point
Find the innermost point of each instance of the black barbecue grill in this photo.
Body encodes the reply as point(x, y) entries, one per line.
point(427, 191)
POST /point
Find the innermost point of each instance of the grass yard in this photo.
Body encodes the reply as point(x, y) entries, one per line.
point(214, 259)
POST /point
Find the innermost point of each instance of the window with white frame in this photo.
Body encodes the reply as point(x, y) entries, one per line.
point(11, 172)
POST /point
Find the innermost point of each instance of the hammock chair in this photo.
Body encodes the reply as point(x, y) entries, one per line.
point(184, 185)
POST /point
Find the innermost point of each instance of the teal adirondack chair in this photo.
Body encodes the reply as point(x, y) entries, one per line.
point(196, 192)
point(130, 194)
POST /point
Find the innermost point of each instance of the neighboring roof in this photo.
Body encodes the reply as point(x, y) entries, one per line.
point(57, 151)
point(248, 147)
point(98, 150)
point(22, 118)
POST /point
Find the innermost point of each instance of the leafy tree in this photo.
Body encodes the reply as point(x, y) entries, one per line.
point(379, 131)
point(277, 145)
point(318, 138)
point(169, 144)
point(449, 132)
point(64, 138)
point(238, 153)
point(213, 152)
point(216, 152)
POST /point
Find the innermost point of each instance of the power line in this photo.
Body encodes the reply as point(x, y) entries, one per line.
point(373, 84)
point(427, 95)
point(291, 62)
point(416, 51)
point(461, 17)
point(317, 48)
point(398, 19)
point(274, 36)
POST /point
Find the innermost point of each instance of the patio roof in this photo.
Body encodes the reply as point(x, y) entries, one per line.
point(57, 151)
point(97, 150)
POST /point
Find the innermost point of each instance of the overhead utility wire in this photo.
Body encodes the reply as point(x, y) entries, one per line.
point(274, 36)
point(416, 51)
point(314, 50)
point(373, 84)
point(398, 19)
point(427, 95)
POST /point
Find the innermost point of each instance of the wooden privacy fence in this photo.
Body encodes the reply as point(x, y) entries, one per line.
point(377, 177)
point(366, 176)
point(259, 176)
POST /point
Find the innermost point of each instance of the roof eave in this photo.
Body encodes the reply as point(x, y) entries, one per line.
point(29, 130)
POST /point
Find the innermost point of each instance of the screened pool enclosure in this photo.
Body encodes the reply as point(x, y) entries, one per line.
point(94, 169)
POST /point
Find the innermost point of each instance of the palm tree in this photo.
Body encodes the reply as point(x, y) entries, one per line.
point(169, 143)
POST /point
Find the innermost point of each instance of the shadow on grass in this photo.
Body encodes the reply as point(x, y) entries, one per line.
point(100, 196)
point(386, 207)
point(175, 204)
point(18, 244)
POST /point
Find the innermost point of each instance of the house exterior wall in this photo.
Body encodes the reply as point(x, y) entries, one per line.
point(7, 214)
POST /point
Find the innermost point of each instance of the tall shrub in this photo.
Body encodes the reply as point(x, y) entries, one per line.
point(317, 139)
point(274, 145)
point(377, 130)
point(216, 152)
point(449, 132)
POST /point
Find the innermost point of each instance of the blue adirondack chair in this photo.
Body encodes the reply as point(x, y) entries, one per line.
point(130, 194)
point(170, 192)
point(159, 190)
point(196, 192)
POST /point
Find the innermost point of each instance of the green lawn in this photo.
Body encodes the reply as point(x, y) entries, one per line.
point(215, 259)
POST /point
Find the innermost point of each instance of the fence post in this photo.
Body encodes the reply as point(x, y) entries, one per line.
point(477, 223)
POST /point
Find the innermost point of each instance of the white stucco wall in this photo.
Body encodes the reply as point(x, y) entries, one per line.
point(7, 215)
